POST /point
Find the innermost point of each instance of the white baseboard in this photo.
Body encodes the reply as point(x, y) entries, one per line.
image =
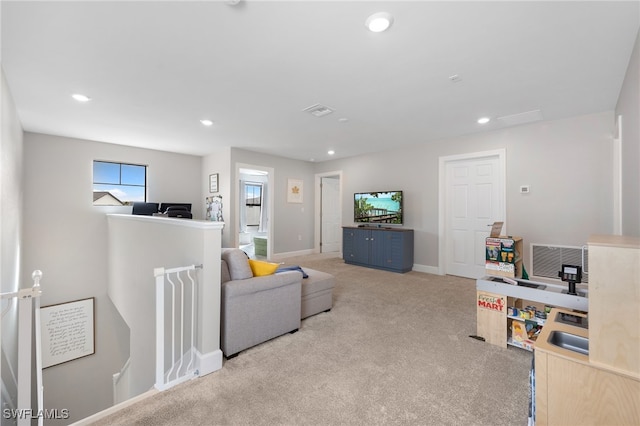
point(427, 269)
point(277, 256)
point(209, 362)
point(115, 408)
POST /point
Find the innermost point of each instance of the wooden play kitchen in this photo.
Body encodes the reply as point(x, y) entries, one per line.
point(510, 310)
point(587, 349)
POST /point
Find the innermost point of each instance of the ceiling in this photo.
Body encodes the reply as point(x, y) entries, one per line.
point(153, 70)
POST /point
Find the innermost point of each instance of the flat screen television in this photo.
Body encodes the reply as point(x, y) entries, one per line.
point(378, 208)
point(145, 209)
point(165, 206)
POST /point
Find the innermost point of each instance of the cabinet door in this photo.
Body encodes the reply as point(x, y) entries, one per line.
point(348, 244)
point(355, 245)
point(362, 246)
point(398, 256)
point(381, 243)
point(377, 244)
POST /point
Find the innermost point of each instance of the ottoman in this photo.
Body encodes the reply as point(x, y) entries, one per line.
point(317, 292)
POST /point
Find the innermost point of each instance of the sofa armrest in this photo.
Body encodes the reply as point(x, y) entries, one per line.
point(257, 309)
point(253, 285)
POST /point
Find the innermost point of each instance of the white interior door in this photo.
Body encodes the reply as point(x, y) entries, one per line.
point(474, 200)
point(331, 227)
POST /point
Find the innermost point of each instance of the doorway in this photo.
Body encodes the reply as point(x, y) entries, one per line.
point(472, 197)
point(255, 209)
point(329, 212)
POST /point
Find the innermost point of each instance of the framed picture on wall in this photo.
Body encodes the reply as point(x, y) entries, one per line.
point(294, 191)
point(213, 182)
point(68, 331)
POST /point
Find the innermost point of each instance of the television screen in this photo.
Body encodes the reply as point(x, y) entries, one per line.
point(146, 209)
point(378, 207)
point(165, 206)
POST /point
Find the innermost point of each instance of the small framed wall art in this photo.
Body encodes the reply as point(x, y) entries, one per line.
point(68, 331)
point(294, 191)
point(213, 183)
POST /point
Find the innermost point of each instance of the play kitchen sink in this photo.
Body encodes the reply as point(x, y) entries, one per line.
point(569, 341)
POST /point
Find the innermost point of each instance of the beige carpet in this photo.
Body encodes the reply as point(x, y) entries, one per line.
point(393, 350)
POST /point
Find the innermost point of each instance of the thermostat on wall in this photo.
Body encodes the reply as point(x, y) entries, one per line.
point(524, 189)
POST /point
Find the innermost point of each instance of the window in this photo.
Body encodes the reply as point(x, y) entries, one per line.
point(253, 193)
point(118, 184)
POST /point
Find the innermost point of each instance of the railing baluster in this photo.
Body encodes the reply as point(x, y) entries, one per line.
point(181, 323)
point(164, 379)
point(173, 326)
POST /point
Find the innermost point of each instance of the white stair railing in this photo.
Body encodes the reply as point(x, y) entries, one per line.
point(175, 335)
point(121, 383)
point(28, 308)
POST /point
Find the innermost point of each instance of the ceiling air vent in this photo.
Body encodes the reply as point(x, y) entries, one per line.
point(318, 110)
point(522, 118)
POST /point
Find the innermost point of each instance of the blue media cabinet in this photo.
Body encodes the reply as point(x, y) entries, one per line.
point(390, 249)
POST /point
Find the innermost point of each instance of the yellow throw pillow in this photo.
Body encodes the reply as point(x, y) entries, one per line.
point(261, 268)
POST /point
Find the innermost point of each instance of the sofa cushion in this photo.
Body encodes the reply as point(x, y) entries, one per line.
point(318, 281)
point(238, 264)
point(261, 268)
point(224, 272)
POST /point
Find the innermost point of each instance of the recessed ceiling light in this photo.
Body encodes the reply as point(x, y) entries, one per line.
point(379, 22)
point(207, 122)
point(80, 98)
point(483, 120)
point(331, 152)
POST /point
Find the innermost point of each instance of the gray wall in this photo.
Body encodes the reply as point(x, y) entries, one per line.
point(11, 165)
point(66, 237)
point(629, 108)
point(220, 163)
point(173, 243)
point(290, 220)
point(569, 200)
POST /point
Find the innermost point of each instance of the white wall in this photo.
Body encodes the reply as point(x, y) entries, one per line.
point(138, 245)
point(66, 237)
point(11, 177)
point(629, 108)
point(219, 162)
point(290, 220)
point(567, 164)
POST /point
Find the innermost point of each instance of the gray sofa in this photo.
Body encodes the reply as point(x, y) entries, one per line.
point(257, 309)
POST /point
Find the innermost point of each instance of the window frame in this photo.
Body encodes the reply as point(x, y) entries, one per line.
point(246, 200)
point(120, 164)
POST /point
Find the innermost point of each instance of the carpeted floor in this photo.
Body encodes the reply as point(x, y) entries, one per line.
point(393, 350)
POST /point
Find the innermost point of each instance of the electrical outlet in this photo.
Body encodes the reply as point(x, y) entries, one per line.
point(524, 189)
point(299, 237)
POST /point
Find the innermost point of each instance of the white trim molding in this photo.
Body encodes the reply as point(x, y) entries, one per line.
point(501, 153)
